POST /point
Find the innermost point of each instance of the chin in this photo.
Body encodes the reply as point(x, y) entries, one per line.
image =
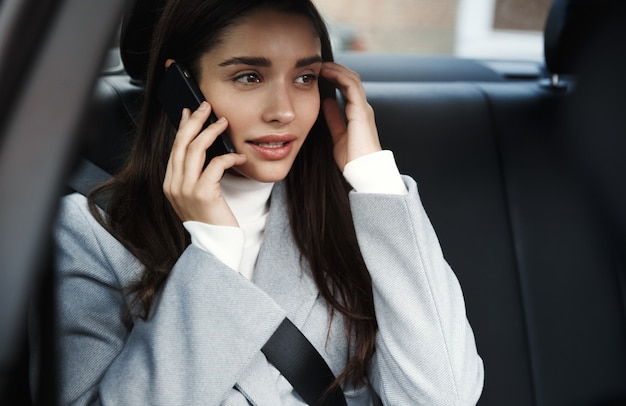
point(265, 173)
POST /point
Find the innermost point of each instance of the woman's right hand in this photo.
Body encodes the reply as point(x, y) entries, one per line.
point(195, 193)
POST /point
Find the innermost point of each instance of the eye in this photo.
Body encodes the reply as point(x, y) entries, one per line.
point(248, 78)
point(306, 79)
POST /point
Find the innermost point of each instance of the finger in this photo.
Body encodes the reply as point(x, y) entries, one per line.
point(196, 150)
point(340, 75)
point(334, 118)
point(214, 171)
point(350, 85)
point(191, 124)
point(202, 200)
point(189, 128)
point(171, 168)
point(185, 114)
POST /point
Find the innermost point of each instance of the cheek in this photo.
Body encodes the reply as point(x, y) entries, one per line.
point(241, 116)
point(309, 109)
point(227, 104)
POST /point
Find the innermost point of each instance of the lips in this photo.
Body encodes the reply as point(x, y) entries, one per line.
point(270, 144)
point(273, 147)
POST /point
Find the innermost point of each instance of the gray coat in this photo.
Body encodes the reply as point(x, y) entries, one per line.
point(201, 344)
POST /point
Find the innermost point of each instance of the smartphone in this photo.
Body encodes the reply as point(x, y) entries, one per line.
point(178, 90)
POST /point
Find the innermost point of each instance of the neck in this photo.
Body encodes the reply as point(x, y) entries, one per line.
point(247, 198)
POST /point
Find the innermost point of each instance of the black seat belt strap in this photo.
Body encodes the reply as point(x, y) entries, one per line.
point(287, 349)
point(300, 363)
point(87, 176)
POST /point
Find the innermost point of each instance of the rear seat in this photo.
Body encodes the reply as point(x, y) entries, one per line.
point(564, 256)
point(492, 158)
point(442, 135)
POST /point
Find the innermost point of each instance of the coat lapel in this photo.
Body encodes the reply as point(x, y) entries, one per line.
point(284, 276)
point(281, 274)
point(279, 270)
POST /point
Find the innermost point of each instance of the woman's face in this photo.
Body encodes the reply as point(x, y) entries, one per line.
point(263, 78)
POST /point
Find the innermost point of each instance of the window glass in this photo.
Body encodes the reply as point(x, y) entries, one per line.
point(495, 29)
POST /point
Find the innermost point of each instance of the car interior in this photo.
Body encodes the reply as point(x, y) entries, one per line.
point(520, 168)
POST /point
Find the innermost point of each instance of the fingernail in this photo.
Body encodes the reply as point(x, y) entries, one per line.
point(221, 120)
point(203, 106)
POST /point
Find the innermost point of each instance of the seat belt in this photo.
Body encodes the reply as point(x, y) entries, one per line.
point(300, 363)
point(287, 349)
point(86, 177)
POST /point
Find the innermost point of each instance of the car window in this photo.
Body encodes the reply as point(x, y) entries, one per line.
point(496, 29)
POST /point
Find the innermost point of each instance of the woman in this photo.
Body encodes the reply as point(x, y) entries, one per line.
point(169, 297)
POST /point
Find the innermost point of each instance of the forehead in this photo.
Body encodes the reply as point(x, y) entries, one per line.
point(270, 33)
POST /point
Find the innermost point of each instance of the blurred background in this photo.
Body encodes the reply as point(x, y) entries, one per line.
point(496, 29)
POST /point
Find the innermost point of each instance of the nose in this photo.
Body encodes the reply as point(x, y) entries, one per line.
point(279, 106)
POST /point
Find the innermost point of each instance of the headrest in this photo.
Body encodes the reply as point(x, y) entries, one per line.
point(574, 27)
point(136, 36)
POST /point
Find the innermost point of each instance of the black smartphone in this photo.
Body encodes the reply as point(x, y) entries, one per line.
point(179, 90)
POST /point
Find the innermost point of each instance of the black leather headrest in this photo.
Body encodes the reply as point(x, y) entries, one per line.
point(136, 36)
point(573, 28)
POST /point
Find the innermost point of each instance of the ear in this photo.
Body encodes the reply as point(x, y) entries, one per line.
point(168, 63)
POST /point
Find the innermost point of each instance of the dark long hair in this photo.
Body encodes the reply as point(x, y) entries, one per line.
point(141, 218)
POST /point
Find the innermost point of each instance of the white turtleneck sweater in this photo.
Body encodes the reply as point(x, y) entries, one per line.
point(238, 247)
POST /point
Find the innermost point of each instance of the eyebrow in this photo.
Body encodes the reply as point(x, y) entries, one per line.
point(264, 62)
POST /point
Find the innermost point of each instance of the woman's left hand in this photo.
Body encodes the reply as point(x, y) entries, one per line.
point(359, 136)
